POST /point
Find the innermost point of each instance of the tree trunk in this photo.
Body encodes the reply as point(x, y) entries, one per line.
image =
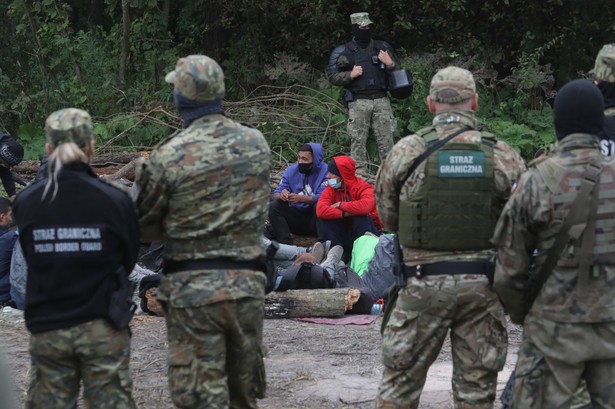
point(125, 40)
point(310, 303)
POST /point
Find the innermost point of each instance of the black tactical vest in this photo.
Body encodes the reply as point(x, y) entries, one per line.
point(374, 75)
point(457, 206)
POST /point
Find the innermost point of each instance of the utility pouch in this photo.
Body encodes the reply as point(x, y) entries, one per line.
point(347, 97)
point(121, 306)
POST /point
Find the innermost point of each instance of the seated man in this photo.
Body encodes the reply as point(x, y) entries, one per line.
point(7, 241)
point(347, 208)
point(292, 207)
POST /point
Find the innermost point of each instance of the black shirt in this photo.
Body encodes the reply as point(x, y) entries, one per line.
point(607, 138)
point(73, 246)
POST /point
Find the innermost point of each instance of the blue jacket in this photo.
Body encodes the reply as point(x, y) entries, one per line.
point(311, 184)
point(7, 241)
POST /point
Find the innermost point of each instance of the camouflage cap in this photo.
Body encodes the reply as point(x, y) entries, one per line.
point(69, 125)
point(198, 77)
point(360, 19)
point(604, 68)
point(451, 85)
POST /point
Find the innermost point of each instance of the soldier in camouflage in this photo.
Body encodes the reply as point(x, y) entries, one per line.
point(604, 78)
point(443, 206)
point(570, 325)
point(205, 192)
point(361, 67)
point(80, 239)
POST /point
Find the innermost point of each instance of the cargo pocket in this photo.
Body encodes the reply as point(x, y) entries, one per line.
point(260, 383)
point(182, 376)
point(493, 349)
point(399, 339)
point(530, 379)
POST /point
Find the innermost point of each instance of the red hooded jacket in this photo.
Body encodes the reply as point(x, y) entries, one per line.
point(356, 195)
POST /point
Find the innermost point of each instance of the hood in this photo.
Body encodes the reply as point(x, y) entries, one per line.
point(347, 168)
point(317, 153)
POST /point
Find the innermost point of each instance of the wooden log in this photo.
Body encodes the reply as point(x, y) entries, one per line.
point(332, 302)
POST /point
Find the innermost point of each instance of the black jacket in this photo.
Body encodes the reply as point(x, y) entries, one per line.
point(73, 246)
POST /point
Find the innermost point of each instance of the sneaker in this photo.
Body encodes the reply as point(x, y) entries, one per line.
point(327, 246)
point(334, 256)
point(318, 251)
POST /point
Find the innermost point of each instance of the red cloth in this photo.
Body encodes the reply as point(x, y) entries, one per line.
point(357, 196)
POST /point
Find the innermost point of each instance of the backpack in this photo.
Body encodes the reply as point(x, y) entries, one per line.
point(304, 276)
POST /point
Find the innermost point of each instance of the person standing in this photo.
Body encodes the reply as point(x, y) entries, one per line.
point(569, 327)
point(80, 239)
point(361, 67)
point(11, 154)
point(204, 191)
point(441, 191)
point(604, 78)
point(293, 205)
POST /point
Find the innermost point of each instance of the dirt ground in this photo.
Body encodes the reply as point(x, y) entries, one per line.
point(309, 366)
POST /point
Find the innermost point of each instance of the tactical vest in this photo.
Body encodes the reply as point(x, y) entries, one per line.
point(604, 245)
point(457, 206)
point(374, 75)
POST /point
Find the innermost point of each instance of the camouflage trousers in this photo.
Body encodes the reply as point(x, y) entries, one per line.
point(215, 354)
point(93, 352)
point(555, 357)
point(425, 311)
point(366, 113)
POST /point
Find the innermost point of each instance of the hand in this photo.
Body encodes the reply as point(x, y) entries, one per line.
point(295, 198)
point(357, 71)
point(336, 205)
point(385, 58)
point(283, 196)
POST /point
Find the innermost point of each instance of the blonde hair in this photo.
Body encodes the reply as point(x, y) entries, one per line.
point(61, 155)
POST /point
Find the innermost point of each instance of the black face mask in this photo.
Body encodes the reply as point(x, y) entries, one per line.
point(305, 168)
point(362, 36)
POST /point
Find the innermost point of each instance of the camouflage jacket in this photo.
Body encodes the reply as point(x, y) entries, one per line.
point(205, 192)
point(389, 191)
point(532, 219)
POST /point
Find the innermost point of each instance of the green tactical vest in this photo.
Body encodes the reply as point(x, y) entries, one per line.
point(457, 207)
point(604, 244)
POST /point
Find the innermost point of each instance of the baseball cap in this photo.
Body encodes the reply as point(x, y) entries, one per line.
point(198, 78)
point(69, 125)
point(451, 85)
point(360, 19)
point(604, 68)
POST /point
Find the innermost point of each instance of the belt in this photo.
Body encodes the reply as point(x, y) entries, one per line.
point(172, 266)
point(370, 96)
point(451, 268)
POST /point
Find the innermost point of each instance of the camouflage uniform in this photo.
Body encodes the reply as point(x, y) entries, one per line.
point(569, 330)
point(604, 70)
point(71, 344)
point(205, 192)
point(429, 306)
point(370, 107)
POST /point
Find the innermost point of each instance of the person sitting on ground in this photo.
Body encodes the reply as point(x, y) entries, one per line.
point(11, 154)
point(347, 208)
point(7, 241)
point(292, 207)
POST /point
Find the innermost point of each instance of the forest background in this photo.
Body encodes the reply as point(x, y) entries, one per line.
point(110, 58)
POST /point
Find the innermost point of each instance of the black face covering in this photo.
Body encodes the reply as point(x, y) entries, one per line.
point(578, 108)
point(361, 36)
point(305, 168)
point(608, 92)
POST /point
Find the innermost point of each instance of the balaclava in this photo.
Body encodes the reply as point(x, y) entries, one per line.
point(578, 108)
point(361, 36)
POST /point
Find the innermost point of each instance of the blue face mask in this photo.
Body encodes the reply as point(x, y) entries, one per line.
point(334, 183)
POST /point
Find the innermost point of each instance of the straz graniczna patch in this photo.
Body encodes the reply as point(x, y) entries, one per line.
point(461, 164)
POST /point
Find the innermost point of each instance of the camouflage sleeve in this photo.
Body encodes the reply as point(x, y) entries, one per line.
point(390, 177)
point(338, 70)
point(515, 241)
point(509, 166)
point(153, 184)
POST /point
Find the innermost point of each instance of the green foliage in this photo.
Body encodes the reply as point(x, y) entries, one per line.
point(32, 138)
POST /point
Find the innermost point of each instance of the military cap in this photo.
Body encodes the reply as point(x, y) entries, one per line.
point(198, 78)
point(360, 19)
point(604, 68)
point(69, 125)
point(451, 85)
